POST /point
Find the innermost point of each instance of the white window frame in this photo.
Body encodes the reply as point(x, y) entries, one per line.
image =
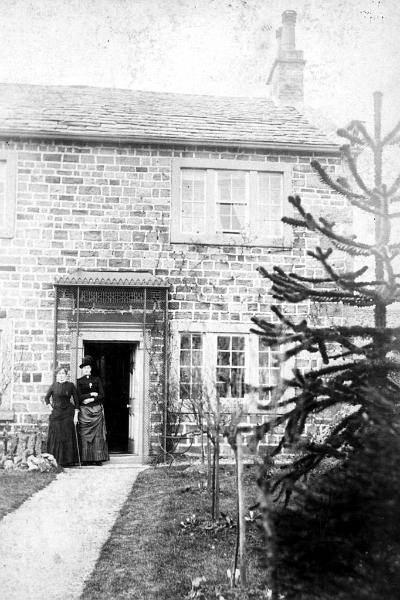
point(7, 219)
point(209, 365)
point(189, 366)
point(252, 237)
point(214, 357)
point(271, 352)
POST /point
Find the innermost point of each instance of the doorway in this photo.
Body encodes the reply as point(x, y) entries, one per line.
point(114, 363)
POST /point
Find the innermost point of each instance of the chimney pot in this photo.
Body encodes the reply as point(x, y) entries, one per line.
point(289, 16)
point(289, 30)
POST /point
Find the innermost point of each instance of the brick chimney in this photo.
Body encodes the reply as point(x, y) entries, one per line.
point(286, 75)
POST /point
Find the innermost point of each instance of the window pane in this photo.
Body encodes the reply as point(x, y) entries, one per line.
point(238, 359)
point(197, 211)
point(187, 210)
point(185, 341)
point(192, 183)
point(196, 342)
point(223, 358)
point(185, 374)
point(196, 392)
point(184, 390)
point(269, 371)
point(224, 190)
point(263, 376)
point(230, 372)
point(238, 343)
point(196, 357)
point(198, 191)
point(223, 385)
point(225, 211)
point(270, 204)
point(232, 201)
point(275, 376)
point(196, 375)
point(237, 387)
point(237, 221)
point(231, 186)
point(223, 342)
point(193, 200)
point(191, 360)
point(185, 357)
point(232, 217)
point(224, 218)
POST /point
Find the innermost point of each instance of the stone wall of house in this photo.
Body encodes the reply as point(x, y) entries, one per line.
point(94, 206)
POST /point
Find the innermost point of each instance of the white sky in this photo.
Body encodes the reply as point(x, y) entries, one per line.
point(352, 47)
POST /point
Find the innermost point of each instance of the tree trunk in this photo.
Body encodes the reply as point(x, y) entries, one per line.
point(216, 450)
point(241, 511)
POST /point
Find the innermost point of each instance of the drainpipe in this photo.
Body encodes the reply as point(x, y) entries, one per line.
point(144, 362)
point(166, 390)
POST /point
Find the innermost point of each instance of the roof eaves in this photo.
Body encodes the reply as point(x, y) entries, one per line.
point(175, 141)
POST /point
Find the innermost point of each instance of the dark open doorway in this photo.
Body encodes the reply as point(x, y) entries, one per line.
point(112, 365)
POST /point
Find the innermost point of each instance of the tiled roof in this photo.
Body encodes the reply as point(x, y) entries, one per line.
point(111, 278)
point(77, 112)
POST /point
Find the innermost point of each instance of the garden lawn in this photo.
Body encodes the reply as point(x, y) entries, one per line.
point(150, 555)
point(18, 486)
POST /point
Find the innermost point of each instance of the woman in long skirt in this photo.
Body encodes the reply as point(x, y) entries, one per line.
point(62, 439)
point(92, 426)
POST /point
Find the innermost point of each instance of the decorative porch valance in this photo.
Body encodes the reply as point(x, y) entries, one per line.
point(112, 279)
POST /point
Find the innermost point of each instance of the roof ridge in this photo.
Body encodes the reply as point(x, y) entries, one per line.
point(136, 91)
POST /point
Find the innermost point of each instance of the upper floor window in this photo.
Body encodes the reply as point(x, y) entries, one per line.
point(229, 202)
point(7, 194)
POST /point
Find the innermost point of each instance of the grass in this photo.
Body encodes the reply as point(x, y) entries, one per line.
point(18, 486)
point(148, 554)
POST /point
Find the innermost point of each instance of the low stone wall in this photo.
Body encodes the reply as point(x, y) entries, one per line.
point(24, 447)
point(188, 439)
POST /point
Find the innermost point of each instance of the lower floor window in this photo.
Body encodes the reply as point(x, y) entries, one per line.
point(190, 365)
point(230, 373)
point(224, 363)
point(269, 367)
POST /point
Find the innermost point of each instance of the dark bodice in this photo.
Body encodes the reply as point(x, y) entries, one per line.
point(61, 394)
point(88, 384)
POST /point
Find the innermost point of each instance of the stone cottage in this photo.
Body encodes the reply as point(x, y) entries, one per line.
point(132, 225)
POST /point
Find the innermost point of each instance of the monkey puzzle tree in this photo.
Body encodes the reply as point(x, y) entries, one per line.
point(358, 363)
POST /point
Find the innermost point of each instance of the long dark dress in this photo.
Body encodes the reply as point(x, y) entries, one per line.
point(62, 439)
point(92, 426)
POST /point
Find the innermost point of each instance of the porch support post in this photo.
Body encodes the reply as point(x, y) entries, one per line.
point(78, 293)
point(55, 331)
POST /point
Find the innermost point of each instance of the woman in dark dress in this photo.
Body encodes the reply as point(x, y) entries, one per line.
point(62, 438)
point(92, 426)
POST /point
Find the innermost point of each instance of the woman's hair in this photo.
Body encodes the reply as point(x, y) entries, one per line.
point(56, 372)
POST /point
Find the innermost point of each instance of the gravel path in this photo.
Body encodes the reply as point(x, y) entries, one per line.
point(50, 544)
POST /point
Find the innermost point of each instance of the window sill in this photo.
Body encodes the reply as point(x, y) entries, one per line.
point(283, 245)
